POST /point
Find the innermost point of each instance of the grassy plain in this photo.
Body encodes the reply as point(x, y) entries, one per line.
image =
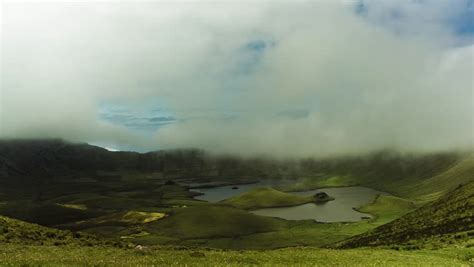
point(16, 255)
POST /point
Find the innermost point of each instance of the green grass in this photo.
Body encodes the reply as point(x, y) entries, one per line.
point(17, 255)
point(184, 202)
point(19, 232)
point(301, 233)
point(434, 187)
point(211, 222)
point(119, 196)
point(266, 197)
point(110, 232)
point(123, 218)
point(116, 203)
point(97, 189)
point(450, 219)
point(387, 208)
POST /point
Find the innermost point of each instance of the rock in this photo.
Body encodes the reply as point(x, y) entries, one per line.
point(235, 187)
point(322, 197)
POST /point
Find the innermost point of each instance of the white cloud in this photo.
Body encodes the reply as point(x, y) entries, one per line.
point(363, 86)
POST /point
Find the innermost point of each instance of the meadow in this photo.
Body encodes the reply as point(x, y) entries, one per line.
point(108, 212)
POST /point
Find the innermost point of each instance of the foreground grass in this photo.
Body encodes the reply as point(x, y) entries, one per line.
point(17, 255)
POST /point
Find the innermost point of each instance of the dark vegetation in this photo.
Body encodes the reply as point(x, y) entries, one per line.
point(18, 232)
point(46, 158)
point(88, 196)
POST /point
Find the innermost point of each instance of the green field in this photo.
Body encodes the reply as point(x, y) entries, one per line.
point(97, 211)
point(16, 255)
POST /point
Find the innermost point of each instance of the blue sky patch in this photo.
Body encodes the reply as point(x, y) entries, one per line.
point(460, 19)
point(144, 117)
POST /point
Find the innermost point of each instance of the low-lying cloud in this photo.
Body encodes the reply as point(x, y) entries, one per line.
point(285, 79)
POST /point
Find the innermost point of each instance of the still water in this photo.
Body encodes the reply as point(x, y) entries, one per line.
point(219, 193)
point(338, 210)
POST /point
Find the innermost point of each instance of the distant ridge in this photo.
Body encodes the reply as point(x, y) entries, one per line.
point(55, 157)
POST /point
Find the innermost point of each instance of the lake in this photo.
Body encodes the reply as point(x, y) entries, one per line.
point(215, 194)
point(338, 210)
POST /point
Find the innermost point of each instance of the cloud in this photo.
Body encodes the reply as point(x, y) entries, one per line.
point(290, 79)
point(423, 18)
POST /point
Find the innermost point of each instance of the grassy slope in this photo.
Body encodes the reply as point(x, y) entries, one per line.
point(123, 218)
point(430, 189)
point(451, 216)
point(266, 197)
point(74, 256)
point(24, 253)
point(387, 208)
point(15, 231)
point(213, 222)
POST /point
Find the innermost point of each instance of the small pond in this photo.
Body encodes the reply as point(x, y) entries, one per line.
point(339, 210)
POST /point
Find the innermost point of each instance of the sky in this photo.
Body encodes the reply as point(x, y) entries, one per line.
point(279, 78)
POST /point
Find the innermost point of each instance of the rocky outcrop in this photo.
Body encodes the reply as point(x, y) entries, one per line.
point(322, 197)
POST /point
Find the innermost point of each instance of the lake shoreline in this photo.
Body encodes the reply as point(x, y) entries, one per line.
point(344, 207)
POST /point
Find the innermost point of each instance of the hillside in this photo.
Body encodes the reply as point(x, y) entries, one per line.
point(55, 157)
point(448, 219)
point(42, 159)
point(386, 208)
point(19, 232)
point(25, 244)
point(435, 186)
point(118, 195)
point(30, 244)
